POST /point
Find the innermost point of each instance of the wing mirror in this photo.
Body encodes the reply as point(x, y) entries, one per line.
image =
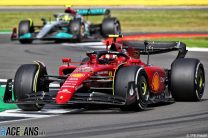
point(66, 60)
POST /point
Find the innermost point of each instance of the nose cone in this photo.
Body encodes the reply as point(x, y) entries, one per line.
point(63, 97)
point(70, 86)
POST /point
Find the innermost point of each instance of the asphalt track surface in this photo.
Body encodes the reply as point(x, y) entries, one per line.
point(180, 119)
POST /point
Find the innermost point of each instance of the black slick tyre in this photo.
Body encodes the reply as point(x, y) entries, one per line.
point(136, 95)
point(110, 25)
point(187, 79)
point(29, 79)
point(25, 27)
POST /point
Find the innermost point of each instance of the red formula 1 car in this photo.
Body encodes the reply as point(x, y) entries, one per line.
point(115, 77)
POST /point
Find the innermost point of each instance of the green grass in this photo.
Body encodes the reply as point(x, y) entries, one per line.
point(190, 42)
point(164, 21)
point(4, 106)
point(136, 21)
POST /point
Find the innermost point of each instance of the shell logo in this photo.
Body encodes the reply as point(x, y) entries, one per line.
point(155, 82)
point(77, 75)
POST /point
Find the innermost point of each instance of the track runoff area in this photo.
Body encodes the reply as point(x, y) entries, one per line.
point(9, 112)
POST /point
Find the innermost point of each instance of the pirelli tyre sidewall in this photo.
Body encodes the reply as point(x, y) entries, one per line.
point(29, 79)
point(136, 95)
point(187, 79)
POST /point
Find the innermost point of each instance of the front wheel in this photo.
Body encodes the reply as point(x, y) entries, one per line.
point(131, 84)
point(29, 79)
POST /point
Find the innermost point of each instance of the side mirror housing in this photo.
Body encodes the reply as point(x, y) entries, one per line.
point(66, 61)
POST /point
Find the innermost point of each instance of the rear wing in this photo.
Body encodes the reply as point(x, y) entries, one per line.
point(93, 12)
point(156, 47)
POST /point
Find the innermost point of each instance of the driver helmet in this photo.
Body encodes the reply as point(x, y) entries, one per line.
point(66, 18)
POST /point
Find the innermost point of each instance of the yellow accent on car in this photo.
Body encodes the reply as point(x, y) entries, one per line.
point(144, 88)
point(36, 77)
point(114, 36)
point(31, 21)
point(200, 81)
point(66, 18)
point(77, 75)
point(110, 73)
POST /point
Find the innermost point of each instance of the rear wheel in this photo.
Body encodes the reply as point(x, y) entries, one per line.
point(132, 85)
point(25, 28)
point(187, 79)
point(77, 29)
point(29, 79)
point(110, 26)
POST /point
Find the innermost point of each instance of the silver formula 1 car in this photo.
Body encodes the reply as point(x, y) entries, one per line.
point(68, 26)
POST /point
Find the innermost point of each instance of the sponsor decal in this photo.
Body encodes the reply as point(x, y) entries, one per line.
point(21, 131)
point(66, 90)
point(102, 72)
point(155, 82)
point(73, 79)
point(84, 69)
point(70, 81)
point(110, 73)
point(77, 75)
point(68, 86)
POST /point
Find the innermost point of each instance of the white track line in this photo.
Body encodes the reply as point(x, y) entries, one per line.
point(98, 47)
point(50, 111)
point(2, 33)
point(83, 44)
point(35, 114)
point(3, 80)
point(43, 116)
point(197, 49)
point(13, 114)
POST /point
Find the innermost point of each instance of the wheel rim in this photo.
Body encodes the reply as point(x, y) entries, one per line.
point(144, 95)
point(143, 92)
point(144, 88)
point(200, 81)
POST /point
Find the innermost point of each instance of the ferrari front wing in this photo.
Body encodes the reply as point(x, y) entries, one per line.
point(81, 99)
